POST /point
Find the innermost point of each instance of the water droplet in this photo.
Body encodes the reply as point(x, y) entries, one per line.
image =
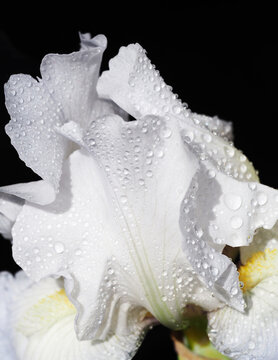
point(262, 198)
point(214, 271)
point(211, 173)
point(251, 345)
point(207, 138)
point(252, 186)
point(234, 291)
point(230, 151)
point(233, 201)
point(177, 109)
point(166, 132)
point(188, 137)
point(123, 199)
point(236, 222)
point(149, 173)
point(110, 271)
point(78, 252)
point(198, 231)
point(59, 247)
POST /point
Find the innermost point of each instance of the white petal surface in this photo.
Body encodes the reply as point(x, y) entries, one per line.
point(264, 239)
point(113, 231)
point(34, 114)
point(215, 125)
point(251, 335)
point(66, 93)
point(38, 192)
point(10, 207)
point(71, 78)
point(37, 323)
point(133, 83)
point(9, 289)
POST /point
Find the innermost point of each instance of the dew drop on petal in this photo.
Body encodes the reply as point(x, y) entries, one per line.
point(236, 222)
point(234, 291)
point(123, 199)
point(59, 247)
point(262, 198)
point(167, 132)
point(233, 201)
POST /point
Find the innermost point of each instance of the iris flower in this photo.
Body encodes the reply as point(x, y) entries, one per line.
point(138, 198)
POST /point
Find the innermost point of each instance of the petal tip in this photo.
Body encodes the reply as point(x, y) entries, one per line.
point(87, 41)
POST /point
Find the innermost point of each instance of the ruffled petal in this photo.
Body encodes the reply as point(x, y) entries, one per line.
point(263, 239)
point(38, 324)
point(136, 86)
point(10, 206)
point(34, 115)
point(252, 334)
point(66, 93)
point(219, 210)
point(223, 194)
point(71, 78)
point(115, 226)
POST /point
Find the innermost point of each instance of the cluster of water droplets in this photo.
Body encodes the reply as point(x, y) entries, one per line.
point(34, 115)
point(239, 335)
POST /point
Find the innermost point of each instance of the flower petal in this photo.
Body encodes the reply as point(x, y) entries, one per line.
point(10, 207)
point(72, 78)
point(133, 83)
point(39, 192)
point(39, 325)
point(263, 239)
point(116, 227)
point(66, 93)
point(215, 125)
point(252, 334)
point(9, 288)
point(219, 210)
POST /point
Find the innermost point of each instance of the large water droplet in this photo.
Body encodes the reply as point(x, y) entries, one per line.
point(233, 201)
point(262, 198)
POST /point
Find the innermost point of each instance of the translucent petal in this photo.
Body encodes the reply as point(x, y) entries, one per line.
point(263, 239)
point(252, 334)
point(66, 92)
point(38, 324)
point(71, 79)
point(10, 207)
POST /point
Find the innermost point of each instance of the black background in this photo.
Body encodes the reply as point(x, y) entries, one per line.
point(220, 58)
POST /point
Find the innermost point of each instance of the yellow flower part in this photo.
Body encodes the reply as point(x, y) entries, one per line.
point(45, 313)
point(259, 266)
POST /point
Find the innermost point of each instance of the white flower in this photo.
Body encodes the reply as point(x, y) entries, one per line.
point(252, 334)
point(143, 208)
point(37, 322)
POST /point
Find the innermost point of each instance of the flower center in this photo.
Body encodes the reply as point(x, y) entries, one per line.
point(259, 266)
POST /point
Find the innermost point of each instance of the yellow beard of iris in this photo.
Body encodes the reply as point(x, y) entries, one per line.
point(45, 313)
point(261, 265)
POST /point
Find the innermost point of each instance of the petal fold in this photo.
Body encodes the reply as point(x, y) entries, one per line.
point(38, 324)
point(252, 334)
point(66, 92)
point(10, 206)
